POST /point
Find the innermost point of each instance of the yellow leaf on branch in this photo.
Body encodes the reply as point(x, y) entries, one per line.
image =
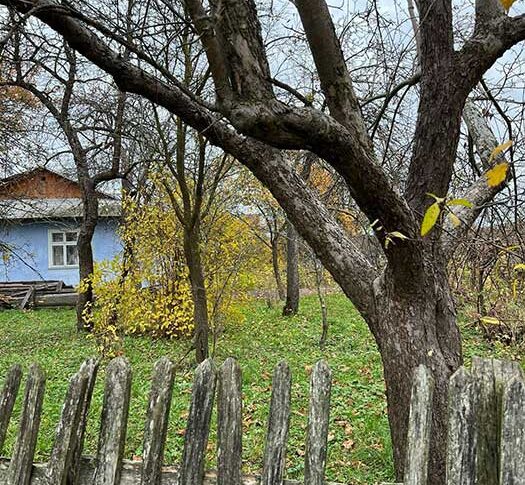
point(507, 4)
point(463, 202)
point(430, 218)
point(499, 149)
point(497, 174)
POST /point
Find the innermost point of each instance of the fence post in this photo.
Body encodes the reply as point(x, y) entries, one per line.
point(491, 375)
point(512, 458)
point(156, 428)
point(113, 423)
point(419, 425)
point(463, 404)
point(8, 398)
point(198, 427)
point(278, 423)
point(21, 464)
point(318, 419)
point(229, 424)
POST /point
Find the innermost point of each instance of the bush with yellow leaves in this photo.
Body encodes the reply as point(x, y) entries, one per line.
point(147, 291)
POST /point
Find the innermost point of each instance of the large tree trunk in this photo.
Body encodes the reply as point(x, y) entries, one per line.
point(291, 306)
point(198, 290)
point(416, 325)
point(86, 260)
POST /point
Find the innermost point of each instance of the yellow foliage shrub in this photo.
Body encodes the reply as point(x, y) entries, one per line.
point(147, 291)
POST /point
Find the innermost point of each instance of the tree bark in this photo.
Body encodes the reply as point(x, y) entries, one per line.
point(291, 306)
point(415, 325)
point(198, 291)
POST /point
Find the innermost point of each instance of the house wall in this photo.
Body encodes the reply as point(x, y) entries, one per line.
point(30, 242)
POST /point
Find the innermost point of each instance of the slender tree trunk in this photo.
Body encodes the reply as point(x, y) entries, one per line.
point(86, 260)
point(416, 325)
point(319, 283)
point(291, 306)
point(277, 269)
point(198, 290)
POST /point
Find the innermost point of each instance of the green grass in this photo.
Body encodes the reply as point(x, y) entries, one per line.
point(359, 442)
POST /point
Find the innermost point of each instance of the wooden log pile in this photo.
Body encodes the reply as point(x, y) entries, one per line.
point(32, 294)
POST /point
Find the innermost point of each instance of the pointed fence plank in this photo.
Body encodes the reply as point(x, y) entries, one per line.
point(89, 368)
point(198, 427)
point(491, 374)
point(512, 464)
point(318, 419)
point(419, 426)
point(229, 416)
point(8, 398)
point(66, 432)
point(462, 428)
point(22, 461)
point(278, 424)
point(113, 423)
point(157, 418)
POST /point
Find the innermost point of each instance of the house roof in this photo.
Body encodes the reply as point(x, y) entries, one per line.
point(8, 184)
point(53, 208)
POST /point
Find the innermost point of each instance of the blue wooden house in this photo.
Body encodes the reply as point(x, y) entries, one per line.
point(40, 211)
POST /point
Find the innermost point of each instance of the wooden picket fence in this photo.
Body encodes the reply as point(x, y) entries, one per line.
point(486, 438)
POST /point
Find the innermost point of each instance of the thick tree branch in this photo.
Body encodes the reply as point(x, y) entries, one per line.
point(488, 43)
point(479, 193)
point(440, 103)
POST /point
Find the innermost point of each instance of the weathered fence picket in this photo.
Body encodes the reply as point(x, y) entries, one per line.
point(156, 428)
point(278, 423)
point(318, 418)
point(419, 423)
point(66, 433)
point(491, 374)
point(462, 428)
point(7, 399)
point(486, 437)
point(229, 424)
point(113, 423)
point(19, 472)
point(512, 460)
point(198, 427)
point(89, 368)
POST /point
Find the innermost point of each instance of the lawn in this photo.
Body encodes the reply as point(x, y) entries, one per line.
point(359, 442)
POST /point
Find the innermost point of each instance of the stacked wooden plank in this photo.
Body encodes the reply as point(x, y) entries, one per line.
point(25, 294)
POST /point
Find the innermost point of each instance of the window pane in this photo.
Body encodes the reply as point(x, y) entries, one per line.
point(57, 236)
point(58, 256)
point(71, 236)
point(72, 255)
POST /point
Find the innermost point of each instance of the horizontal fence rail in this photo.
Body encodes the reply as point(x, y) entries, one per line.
point(486, 437)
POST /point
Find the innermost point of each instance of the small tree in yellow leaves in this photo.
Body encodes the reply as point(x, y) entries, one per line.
point(148, 292)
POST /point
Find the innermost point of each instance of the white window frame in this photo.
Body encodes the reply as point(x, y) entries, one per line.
point(63, 244)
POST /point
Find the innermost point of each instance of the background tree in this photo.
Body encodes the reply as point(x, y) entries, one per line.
point(91, 126)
